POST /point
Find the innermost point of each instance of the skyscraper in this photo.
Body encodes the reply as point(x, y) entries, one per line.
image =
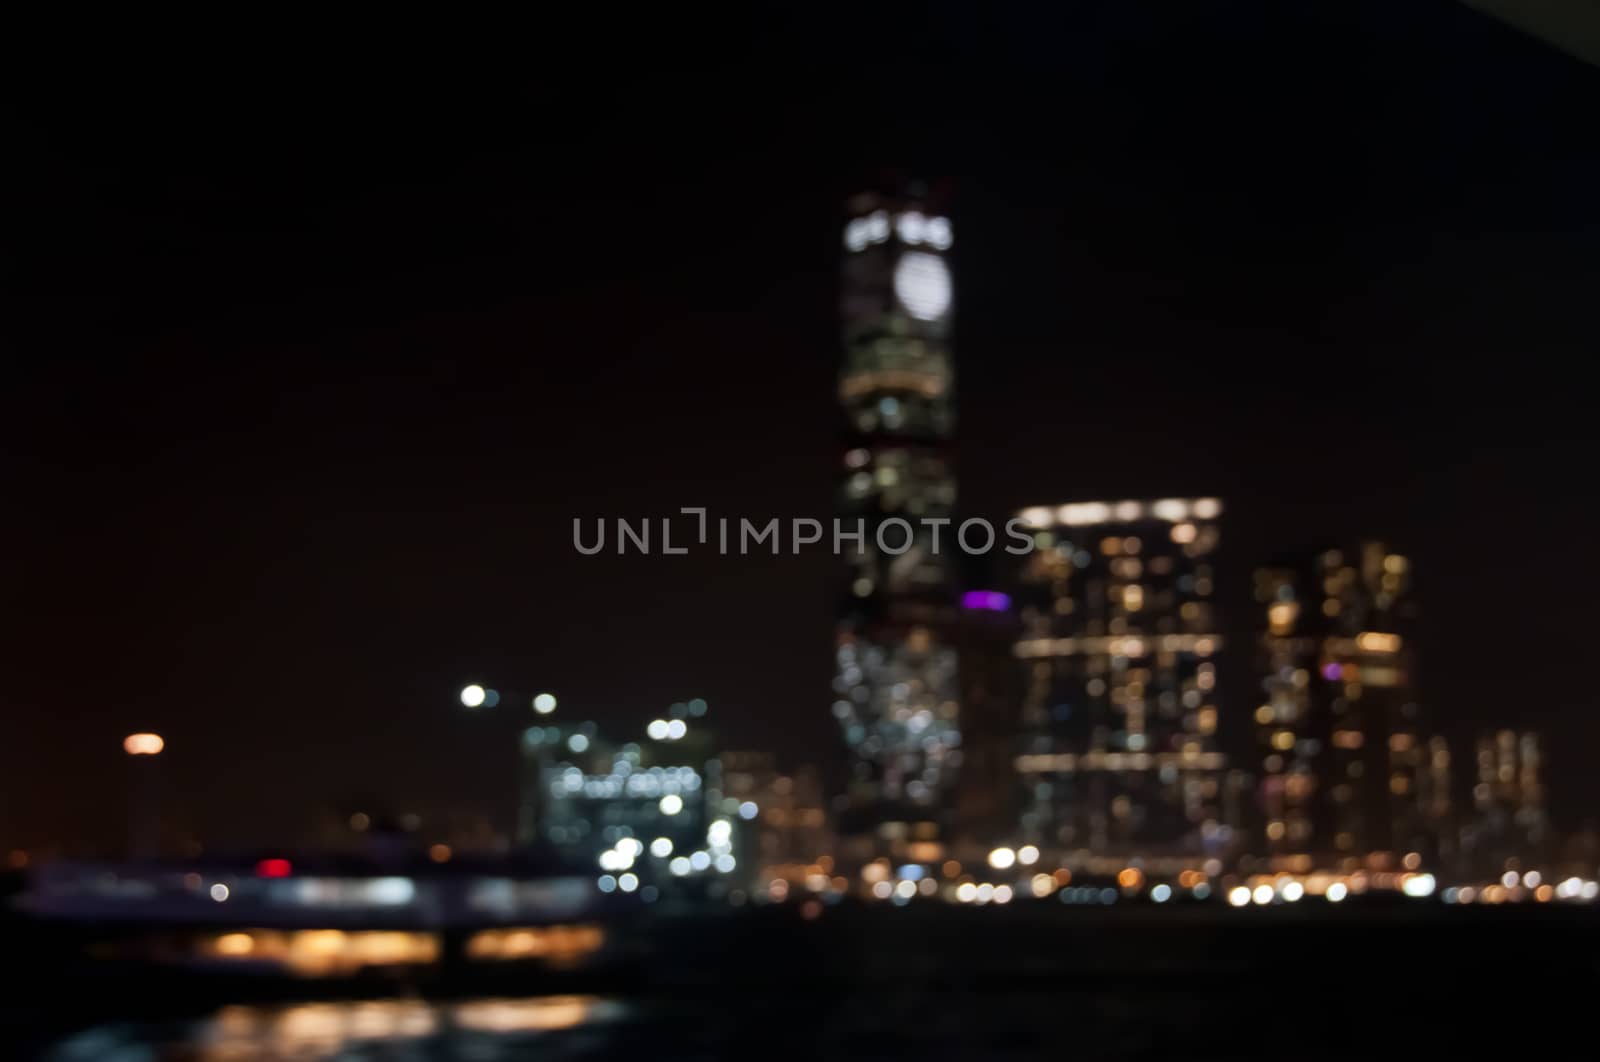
point(895, 690)
point(1119, 644)
point(1346, 768)
point(1508, 802)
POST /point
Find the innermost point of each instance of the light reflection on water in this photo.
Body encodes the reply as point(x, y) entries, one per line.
point(483, 1029)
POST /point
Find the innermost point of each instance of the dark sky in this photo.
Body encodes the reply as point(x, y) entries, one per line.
point(322, 356)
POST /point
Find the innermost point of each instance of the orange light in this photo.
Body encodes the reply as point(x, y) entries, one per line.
point(235, 945)
point(143, 744)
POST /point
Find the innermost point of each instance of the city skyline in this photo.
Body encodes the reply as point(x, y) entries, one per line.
point(243, 535)
point(945, 532)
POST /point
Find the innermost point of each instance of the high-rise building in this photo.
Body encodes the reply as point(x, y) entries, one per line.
point(1508, 802)
point(1347, 769)
point(895, 686)
point(1119, 644)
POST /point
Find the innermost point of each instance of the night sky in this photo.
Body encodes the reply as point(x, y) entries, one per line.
point(321, 357)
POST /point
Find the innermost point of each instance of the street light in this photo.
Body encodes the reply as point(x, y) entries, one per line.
point(143, 744)
point(144, 820)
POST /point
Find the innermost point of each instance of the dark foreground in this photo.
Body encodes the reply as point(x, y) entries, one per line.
point(925, 982)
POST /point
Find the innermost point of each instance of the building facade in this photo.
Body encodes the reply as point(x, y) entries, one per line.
point(1119, 644)
point(1509, 821)
point(789, 839)
point(648, 816)
point(895, 685)
point(1347, 768)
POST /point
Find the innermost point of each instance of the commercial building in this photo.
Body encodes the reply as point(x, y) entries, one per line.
point(895, 685)
point(1119, 644)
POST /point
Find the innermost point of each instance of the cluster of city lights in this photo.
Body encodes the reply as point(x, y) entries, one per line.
point(901, 885)
point(913, 227)
point(665, 783)
point(666, 729)
point(1522, 888)
point(1085, 514)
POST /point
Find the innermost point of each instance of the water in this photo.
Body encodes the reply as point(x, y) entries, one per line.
point(553, 1027)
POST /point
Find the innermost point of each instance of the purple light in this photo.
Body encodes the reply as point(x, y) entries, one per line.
point(989, 600)
point(1331, 672)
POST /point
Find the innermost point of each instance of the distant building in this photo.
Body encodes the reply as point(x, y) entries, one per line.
point(895, 686)
point(1347, 768)
point(1119, 644)
point(789, 834)
point(639, 815)
point(1508, 819)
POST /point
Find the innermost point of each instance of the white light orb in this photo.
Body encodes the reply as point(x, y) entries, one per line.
point(661, 847)
point(657, 730)
point(473, 696)
point(878, 226)
point(671, 804)
point(856, 235)
point(544, 704)
point(912, 226)
point(1418, 885)
point(922, 284)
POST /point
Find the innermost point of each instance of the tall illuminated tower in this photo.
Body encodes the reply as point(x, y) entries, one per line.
point(895, 678)
point(1120, 643)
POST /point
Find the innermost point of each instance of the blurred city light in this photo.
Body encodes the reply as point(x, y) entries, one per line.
point(143, 744)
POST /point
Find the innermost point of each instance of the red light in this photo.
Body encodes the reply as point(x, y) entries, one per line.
point(273, 868)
